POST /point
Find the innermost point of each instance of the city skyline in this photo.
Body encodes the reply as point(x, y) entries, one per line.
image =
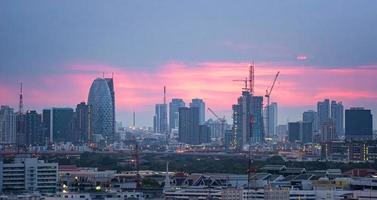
point(147, 48)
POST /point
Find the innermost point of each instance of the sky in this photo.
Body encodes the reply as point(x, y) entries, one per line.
point(322, 49)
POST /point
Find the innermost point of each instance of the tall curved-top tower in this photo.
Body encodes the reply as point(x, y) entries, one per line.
point(101, 100)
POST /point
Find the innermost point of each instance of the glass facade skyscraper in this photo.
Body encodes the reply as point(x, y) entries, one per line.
point(173, 112)
point(101, 99)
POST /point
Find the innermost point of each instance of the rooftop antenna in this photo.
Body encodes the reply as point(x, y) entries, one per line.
point(103, 74)
point(112, 75)
point(251, 77)
point(164, 95)
point(21, 102)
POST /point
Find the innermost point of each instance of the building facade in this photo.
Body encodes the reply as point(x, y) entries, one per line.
point(101, 99)
point(188, 131)
point(28, 175)
point(58, 124)
point(82, 123)
point(174, 105)
point(272, 112)
point(7, 125)
point(199, 103)
point(300, 132)
point(323, 110)
point(311, 116)
point(359, 124)
point(337, 116)
point(160, 119)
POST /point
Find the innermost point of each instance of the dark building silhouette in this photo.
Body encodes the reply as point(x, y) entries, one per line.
point(359, 124)
point(58, 124)
point(33, 129)
point(311, 116)
point(190, 131)
point(199, 103)
point(300, 132)
point(82, 123)
point(204, 134)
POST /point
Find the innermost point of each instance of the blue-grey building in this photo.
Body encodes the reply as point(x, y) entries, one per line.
point(248, 125)
point(173, 113)
point(359, 124)
point(337, 117)
point(101, 99)
point(199, 103)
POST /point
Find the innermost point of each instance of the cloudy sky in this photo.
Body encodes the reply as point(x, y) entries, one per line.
point(323, 49)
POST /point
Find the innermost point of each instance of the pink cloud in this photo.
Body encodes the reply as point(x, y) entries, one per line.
point(212, 81)
point(301, 57)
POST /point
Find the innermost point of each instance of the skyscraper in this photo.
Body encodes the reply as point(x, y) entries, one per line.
point(248, 120)
point(101, 99)
point(257, 119)
point(311, 116)
point(337, 111)
point(82, 125)
point(359, 124)
point(300, 132)
point(270, 129)
point(110, 83)
point(58, 124)
point(33, 129)
point(160, 119)
point(190, 131)
point(173, 113)
point(199, 103)
point(323, 110)
point(7, 125)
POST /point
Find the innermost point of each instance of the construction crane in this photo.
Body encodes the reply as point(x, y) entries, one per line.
point(246, 80)
point(222, 120)
point(268, 94)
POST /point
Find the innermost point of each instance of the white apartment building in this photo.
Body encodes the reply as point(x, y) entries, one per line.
point(26, 175)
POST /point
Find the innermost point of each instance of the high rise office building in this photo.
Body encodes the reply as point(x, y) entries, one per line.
point(33, 129)
point(110, 83)
point(311, 116)
point(174, 114)
point(199, 103)
point(300, 132)
point(323, 110)
point(359, 124)
point(272, 118)
point(257, 119)
point(248, 120)
point(82, 123)
point(7, 125)
point(337, 117)
point(189, 130)
point(160, 119)
point(58, 124)
point(102, 101)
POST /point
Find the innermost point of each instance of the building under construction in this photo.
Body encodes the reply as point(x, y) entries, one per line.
point(248, 115)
